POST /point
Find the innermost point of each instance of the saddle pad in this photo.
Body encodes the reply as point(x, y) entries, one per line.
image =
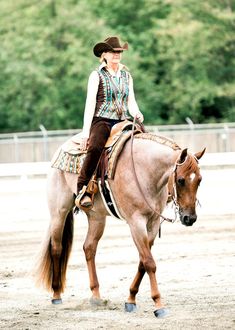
point(108, 199)
point(73, 145)
point(68, 162)
point(71, 161)
point(116, 150)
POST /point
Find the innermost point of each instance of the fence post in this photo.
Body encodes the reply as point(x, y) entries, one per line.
point(191, 128)
point(16, 148)
point(45, 142)
point(225, 138)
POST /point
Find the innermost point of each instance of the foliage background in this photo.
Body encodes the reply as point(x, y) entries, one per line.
point(181, 56)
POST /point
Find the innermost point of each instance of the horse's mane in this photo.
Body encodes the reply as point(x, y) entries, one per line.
point(159, 139)
point(191, 162)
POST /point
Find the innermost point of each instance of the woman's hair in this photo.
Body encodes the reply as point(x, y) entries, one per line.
point(102, 59)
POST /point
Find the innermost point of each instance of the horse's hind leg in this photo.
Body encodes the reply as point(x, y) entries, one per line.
point(56, 232)
point(95, 232)
point(56, 250)
point(51, 267)
point(60, 203)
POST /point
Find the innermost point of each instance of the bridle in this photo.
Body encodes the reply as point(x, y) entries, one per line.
point(174, 191)
point(163, 218)
point(174, 195)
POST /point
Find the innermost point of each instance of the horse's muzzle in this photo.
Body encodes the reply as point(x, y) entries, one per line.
point(188, 220)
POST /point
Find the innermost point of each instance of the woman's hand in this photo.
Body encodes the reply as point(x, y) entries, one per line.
point(139, 117)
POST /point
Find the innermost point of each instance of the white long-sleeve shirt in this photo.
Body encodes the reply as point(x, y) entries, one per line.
point(92, 89)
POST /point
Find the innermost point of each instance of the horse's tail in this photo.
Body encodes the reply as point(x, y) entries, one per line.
point(43, 272)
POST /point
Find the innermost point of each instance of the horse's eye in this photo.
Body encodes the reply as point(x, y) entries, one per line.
point(181, 182)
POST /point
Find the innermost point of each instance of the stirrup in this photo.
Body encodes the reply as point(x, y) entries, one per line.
point(83, 201)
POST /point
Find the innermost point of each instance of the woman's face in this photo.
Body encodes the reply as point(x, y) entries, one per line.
point(113, 57)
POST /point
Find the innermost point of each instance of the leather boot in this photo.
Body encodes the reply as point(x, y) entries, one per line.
point(83, 200)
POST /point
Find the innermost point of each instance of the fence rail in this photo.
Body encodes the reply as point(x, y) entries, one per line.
point(39, 146)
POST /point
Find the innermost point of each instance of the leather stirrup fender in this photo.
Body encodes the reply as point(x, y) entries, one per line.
point(92, 187)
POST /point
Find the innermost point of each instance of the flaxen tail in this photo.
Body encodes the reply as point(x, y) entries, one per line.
point(43, 272)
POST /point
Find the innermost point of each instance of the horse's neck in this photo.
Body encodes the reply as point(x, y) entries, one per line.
point(162, 157)
point(157, 159)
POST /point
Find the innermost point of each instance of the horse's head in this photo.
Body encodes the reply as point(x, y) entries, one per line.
point(187, 178)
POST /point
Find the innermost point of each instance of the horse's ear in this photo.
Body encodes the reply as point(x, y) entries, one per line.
point(199, 154)
point(183, 156)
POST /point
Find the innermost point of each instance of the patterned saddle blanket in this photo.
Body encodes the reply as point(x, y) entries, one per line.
point(70, 157)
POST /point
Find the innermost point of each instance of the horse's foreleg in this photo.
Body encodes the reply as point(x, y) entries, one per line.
point(134, 288)
point(147, 264)
point(95, 232)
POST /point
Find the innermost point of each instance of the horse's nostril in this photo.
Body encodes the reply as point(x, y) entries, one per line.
point(189, 220)
point(186, 219)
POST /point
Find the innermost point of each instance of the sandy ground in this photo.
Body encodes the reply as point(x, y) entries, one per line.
point(195, 266)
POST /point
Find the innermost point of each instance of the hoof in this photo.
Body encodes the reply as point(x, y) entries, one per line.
point(129, 307)
point(98, 302)
point(162, 312)
point(56, 301)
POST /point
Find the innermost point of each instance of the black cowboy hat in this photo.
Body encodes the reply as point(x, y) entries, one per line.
point(109, 44)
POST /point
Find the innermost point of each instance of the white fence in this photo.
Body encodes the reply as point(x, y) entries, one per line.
point(40, 146)
point(33, 169)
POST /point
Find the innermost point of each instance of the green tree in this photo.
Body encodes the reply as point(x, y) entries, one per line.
point(45, 61)
point(181, 56)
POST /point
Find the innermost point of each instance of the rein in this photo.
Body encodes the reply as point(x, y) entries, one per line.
point(140, 189)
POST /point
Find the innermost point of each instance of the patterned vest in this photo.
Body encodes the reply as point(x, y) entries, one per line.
point(112, 95)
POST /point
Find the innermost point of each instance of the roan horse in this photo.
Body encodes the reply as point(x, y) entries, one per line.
point(159, 169)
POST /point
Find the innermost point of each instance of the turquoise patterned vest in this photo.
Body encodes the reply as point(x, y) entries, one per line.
point(112, 95)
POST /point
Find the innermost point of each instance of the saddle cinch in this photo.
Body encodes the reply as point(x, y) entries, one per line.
point(70, 157)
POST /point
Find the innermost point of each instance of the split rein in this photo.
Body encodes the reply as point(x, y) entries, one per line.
point(174, 198)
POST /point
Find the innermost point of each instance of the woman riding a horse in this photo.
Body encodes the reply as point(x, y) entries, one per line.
point(110, 100)
point(153, 166)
